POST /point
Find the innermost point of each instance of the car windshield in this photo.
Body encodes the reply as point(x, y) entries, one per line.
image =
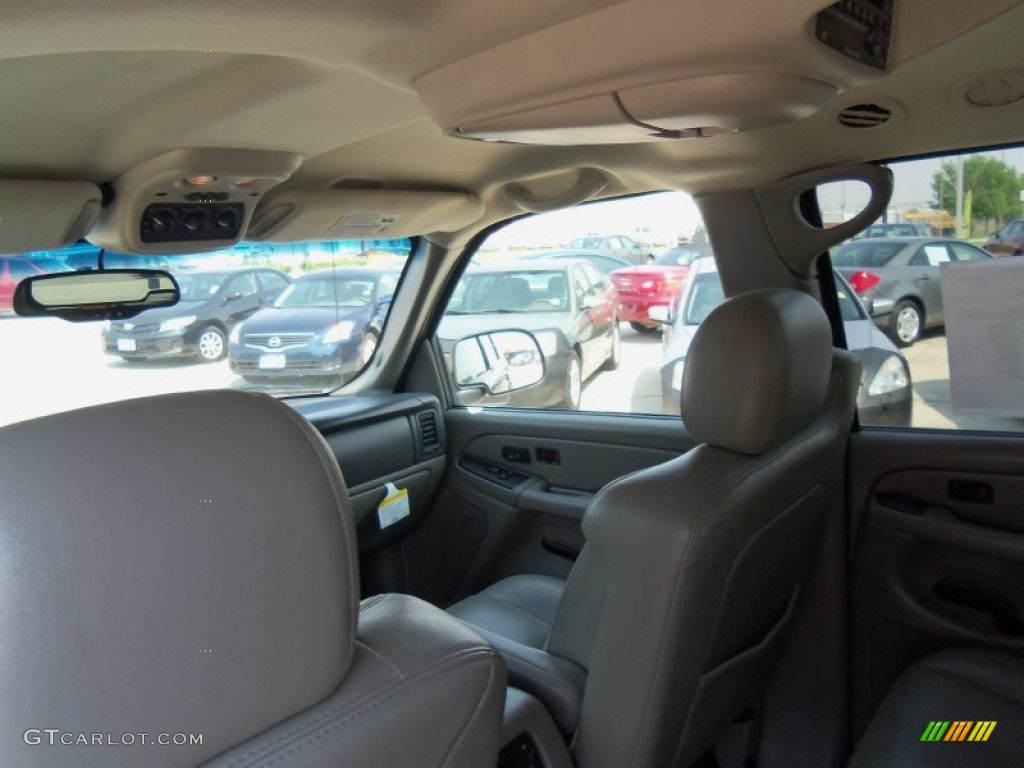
point(892, 230)
point(866, 254)
point(200, 287)
point(238, 341)
point(511, 292)
point(706, 293)
point(587, 243)
point(328, 291)
point(679, 257)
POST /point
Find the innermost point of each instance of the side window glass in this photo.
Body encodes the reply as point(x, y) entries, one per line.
point(526, 276)
point(272, 281)
point(244, 284)
point(919, 259)
point(964, 252)
point(596, 280)
point(940, 347)
point(936, 255)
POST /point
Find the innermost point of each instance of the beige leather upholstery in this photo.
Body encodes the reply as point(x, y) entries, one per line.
point(676, 609)
point(955, 685)
point(754, 381)
point(187, 564)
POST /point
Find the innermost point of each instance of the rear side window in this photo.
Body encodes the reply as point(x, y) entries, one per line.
point(955, 319)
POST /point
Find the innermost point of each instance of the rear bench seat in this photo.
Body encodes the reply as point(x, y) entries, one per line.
point(955, 686)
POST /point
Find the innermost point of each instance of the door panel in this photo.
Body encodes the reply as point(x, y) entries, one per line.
point(517, 485)
point(937, 554)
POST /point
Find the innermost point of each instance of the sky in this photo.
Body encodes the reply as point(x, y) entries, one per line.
point(660, 219)
point(913, 183)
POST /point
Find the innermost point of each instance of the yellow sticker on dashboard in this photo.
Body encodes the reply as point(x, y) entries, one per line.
point(395, 506)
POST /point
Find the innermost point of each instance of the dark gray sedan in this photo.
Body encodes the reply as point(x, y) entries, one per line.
point(901, 274)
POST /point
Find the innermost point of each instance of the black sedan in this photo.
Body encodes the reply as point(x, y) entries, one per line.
point(567, 304)
point(212, 303)
point(323, 328)
point(884, 397)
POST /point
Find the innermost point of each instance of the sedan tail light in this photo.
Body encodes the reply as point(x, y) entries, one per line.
point(864, 281)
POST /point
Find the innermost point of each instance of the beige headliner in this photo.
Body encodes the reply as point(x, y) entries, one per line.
point(91, 89)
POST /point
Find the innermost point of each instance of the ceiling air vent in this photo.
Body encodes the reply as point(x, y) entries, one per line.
point(864, 116)
point(430, 440)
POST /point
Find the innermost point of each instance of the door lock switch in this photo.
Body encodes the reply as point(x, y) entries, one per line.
point(516, 454)
point(549, 456)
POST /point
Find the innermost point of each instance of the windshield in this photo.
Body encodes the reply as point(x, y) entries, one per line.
point(680, 257)
point(237, 340)
point(328, 291)
point(510, 292)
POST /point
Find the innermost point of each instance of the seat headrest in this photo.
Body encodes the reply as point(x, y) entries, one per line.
point(757, 371)
point(173, 562)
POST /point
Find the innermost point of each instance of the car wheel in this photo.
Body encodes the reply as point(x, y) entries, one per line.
point(573, 382)
point(640, 328)
point(212, 344)
point(367, 347)
point(615, 355)
point(905, 325)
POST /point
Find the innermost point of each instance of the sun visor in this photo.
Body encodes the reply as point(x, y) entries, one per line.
point(690, 108)
point(300, 215)
point(45, 215)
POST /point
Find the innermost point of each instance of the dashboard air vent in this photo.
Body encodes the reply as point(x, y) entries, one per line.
point(864, 116)
point(430, 440)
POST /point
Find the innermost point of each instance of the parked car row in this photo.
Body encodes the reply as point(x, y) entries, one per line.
point(885, 394)
point(654, 285)
point(212, 303)
point(900, 277)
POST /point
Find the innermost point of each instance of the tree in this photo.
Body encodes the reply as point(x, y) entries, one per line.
point(994, 186)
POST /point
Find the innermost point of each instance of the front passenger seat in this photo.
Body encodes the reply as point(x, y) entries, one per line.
point(184, 567)
point(675, 611)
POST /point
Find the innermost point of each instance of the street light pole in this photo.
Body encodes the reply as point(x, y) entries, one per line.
point(959, 196)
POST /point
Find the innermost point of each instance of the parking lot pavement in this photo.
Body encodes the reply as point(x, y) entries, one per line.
point(67, 365)
point(636, 386)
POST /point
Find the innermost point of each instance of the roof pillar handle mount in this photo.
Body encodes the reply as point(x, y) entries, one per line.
point(798, 241)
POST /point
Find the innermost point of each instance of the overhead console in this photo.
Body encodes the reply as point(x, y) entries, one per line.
point(664, 70)
point(310, 215)
point(189, 200)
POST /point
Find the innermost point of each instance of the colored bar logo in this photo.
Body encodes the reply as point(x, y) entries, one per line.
point(958, 730)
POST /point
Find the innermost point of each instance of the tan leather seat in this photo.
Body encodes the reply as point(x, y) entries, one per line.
point(961, 696)
point(675, 611)
point(186, 564)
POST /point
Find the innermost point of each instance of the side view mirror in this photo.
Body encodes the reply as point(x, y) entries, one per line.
point(878, 307)
point(233, 296)
point(660, 314)
point(497, 362)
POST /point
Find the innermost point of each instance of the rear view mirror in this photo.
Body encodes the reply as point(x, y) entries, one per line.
point(497, 362)
point(95, 295)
